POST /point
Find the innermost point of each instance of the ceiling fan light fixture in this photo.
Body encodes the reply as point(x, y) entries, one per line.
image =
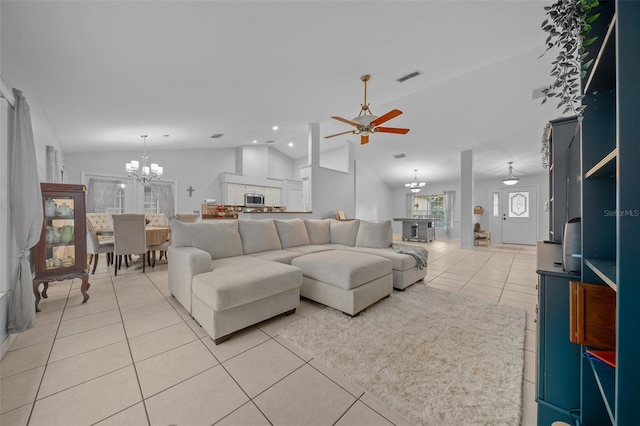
point(510, 180)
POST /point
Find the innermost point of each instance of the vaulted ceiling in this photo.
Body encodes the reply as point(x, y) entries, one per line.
point(106, 72)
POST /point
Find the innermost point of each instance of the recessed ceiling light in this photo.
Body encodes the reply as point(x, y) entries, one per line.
point(254, 141)
point(290, 144)
point(275, 127)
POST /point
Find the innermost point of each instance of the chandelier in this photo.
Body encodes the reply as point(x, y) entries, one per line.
point(143, 174)
point(510, 180)
point(415, 186)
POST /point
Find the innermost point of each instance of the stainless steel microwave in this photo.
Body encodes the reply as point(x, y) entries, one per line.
point(254, 200)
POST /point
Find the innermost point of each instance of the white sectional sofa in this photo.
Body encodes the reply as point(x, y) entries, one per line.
point(230, 274)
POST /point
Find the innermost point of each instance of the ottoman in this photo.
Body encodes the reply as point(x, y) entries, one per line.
point(345, 280)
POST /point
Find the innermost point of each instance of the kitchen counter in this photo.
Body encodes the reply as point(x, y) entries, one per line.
point(417, 229)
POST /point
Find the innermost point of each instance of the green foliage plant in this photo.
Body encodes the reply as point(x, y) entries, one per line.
point(568, 25)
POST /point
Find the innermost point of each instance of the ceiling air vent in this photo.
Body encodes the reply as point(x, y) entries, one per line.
point(408, 76)
point(269, 141)
point(399, 156)
point(216, 135)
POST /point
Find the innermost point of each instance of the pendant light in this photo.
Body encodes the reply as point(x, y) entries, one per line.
point(510, 180)
point(415, 186)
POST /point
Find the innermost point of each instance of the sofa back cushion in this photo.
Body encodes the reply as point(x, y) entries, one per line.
point(374, 234)
point(219, 239)
point(292, 233)
point(259, 235)
point(318, 231)
point(344, 232)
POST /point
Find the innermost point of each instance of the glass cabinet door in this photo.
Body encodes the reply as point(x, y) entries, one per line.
point(60, 247)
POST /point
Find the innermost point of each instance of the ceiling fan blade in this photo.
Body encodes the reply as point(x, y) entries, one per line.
point(364, 139)
point(344, 120)
point(388, 116)
point(391, 130)
point(341, 133)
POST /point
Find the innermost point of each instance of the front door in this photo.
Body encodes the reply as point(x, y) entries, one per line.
point(520, 215)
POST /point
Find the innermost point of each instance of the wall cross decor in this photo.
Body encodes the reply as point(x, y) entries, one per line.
point(190, 190)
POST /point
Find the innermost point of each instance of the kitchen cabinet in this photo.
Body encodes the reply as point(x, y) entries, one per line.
point(61, 253)
point(272, 196)
point(234, 194)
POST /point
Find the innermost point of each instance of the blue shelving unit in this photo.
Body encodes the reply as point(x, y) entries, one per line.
point(611, 209)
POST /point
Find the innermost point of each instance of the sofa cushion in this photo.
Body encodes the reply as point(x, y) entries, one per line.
point(318, 231)
point(219, 239)
point(314, 248)
point(374, 234)
point(344, 269)
point(282, 256)
point(401, 262)
point(344, 232)
point(258, 235)
point(292, 233)
point(236, 281)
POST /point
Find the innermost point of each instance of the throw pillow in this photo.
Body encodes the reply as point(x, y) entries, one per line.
point(219, 239)
point(344, 232)
point(318, 231)
point(292, 233)
point(375, 234)
point(258, 235)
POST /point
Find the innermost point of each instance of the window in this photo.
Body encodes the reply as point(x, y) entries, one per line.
point(495, 200)
point(430, 206)
point(519, 204)
point(151, 203)
point(106, 195)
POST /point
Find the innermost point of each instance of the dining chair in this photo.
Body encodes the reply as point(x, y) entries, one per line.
point(95, 247)
point(130, 237)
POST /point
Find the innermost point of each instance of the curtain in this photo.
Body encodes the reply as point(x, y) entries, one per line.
point(53, 165)
point(164, 193)
point(26, 214)
point(101, 194)
point(449, 197)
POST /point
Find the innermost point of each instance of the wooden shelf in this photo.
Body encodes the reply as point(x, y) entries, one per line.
point(605, 269)
point(605, 167)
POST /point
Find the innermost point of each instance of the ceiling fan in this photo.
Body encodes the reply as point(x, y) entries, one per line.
point(367, 123)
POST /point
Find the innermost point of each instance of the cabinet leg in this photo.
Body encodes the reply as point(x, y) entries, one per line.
point(36, 293)
point(45, 286)
point(84, 287)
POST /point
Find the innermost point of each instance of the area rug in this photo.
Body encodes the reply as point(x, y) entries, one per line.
point(435, 357)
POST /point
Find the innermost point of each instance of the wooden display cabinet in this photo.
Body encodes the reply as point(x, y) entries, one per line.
point(61, 253)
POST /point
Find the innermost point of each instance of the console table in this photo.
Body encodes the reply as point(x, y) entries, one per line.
point(417, 229)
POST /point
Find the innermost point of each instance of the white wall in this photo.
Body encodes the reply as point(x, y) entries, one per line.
point(481, 197)
point(281, 166)
point(374, 197)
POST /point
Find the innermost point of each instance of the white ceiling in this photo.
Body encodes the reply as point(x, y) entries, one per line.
point(106, 72)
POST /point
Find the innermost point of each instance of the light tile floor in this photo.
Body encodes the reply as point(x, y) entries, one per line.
point(133, 356)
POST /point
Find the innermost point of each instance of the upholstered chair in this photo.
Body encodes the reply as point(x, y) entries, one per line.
point(101, 222)
point(95, 247)
point(156, 219)
point(130, 237)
